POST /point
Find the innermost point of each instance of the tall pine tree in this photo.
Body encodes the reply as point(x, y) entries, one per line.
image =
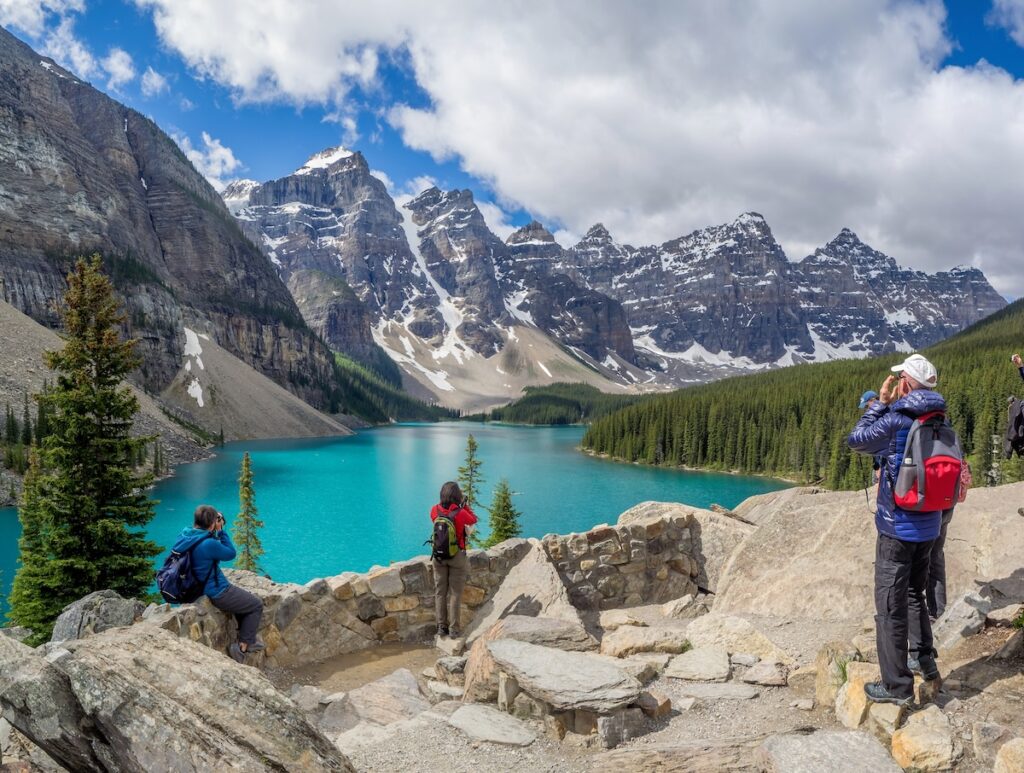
point(247, 525)
point(504, 518)
point(470, 477)
point(34, 604)
point(91, 503)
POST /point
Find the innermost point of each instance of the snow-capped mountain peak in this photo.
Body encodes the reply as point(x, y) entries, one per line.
point(324, 159)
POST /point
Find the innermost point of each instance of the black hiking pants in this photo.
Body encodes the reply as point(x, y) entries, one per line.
point(901, 610)
point(247, 609)
point(937, 571)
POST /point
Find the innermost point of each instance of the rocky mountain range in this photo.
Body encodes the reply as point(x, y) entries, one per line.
point(81, 174)
point(445, 298)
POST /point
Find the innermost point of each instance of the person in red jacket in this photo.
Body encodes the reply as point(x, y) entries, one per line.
point(450, 575)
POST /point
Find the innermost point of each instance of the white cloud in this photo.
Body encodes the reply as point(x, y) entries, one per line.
point(120, 68)
point(818, 115)
point(30, 16)
point(384, 178)
point(1009, 14)
point(496, 218)
point(63, 46)
point(215, 161)
point(186, 105)
point(153, 83)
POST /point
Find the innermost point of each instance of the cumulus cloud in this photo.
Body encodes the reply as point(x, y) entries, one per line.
point(497, 219)
point(30, 16)
point(384, 178)
point(120, 68)
point(215, 161)
point(1009, 14)
point(153, 83)
point(818, 115)
point(63, 46)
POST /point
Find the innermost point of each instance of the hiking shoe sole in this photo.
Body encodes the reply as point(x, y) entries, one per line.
point(236, 653)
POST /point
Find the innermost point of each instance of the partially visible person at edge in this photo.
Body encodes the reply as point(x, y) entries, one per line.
point(450, 575)
point(868, 399)
point(213, 545)
point(1019, 363)
point(905, 539)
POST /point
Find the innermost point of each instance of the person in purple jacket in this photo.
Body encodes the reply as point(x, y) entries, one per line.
point(904, 545)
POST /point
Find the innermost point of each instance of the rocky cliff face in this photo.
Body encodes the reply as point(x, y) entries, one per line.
point(81, 173)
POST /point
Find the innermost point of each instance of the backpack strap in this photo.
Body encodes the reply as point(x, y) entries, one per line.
point(213, 564)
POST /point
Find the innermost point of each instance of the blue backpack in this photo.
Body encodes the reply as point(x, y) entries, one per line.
point(177, 579)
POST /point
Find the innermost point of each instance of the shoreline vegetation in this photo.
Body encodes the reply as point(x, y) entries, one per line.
point(557, 404)
point(792, 423)
point(684, 468)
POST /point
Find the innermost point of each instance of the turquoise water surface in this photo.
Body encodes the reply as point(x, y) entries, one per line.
point(345, 504)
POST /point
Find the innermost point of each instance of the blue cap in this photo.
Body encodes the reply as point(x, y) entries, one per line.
point(869, 395)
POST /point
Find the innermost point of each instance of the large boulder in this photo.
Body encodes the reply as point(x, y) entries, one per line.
point(37, 699)
point(734, 634)
point(812, 552)
point(141, 699)
point(481, 673)
point(532, 588)
point(95, 613)
point(826, 751)
point(704, 664)
point(565, 680)
point(389, 699)
point(925, 742)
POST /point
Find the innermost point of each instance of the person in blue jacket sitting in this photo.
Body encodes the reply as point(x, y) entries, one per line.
point(904, 545)
point(213, 545)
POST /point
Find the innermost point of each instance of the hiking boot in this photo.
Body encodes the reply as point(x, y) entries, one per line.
point(454, 633)
point(442, 630)
point(876, 692)
point(925, 666)
point(235, 651)
point(256, 646)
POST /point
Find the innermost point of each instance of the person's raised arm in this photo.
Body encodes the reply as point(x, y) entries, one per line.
point(872, 432)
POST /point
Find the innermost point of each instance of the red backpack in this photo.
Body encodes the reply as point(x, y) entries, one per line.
point(929, 477)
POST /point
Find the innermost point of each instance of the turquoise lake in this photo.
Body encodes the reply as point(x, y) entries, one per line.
point(345, 504)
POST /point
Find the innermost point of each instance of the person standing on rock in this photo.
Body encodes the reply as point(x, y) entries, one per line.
point(905, 538)
point(450, 562)
point(210, 544)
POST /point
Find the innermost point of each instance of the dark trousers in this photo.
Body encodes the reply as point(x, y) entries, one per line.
point(449, 582)
point(247, 609)
point(901, 611)
point(937, 571)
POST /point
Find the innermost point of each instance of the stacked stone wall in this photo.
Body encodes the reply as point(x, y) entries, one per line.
point(606, 567)
point(626, 565)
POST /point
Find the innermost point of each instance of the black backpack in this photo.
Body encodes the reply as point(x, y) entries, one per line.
point(177, 579)
point(445, 540)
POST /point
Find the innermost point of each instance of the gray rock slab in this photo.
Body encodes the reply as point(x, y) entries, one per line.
point(485, 723)
point(717, 691)
point(767, 674)
point(704, 664)
point(389, 699)
point(826, 751)
point(565, 680)
point(963, 618)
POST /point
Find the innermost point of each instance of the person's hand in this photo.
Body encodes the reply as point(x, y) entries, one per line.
point(218, 525)
point(1017, 360)
point(887, 393)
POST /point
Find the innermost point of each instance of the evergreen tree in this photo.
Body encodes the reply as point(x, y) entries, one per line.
point(247, 525)
point(470, 477)
point(26, 424)
point(10, 427)
point(90, 501)
point(33, 602)
point(42, 416)
point(504, 518)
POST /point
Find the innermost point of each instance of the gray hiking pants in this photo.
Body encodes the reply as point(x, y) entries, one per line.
point(247, 609)
point(901, 611)
point(449, 581)
point(937, 571)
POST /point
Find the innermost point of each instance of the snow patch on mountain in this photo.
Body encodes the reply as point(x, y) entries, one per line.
point(323, 159)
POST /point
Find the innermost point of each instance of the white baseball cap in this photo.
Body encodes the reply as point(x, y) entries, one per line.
point(919, 369)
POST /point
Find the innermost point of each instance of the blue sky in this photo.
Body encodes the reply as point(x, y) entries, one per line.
point(897, 118)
